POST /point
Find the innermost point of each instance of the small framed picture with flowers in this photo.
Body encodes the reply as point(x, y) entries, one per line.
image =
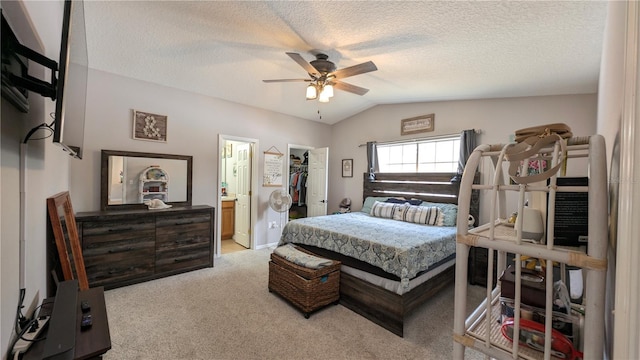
point(150, 127)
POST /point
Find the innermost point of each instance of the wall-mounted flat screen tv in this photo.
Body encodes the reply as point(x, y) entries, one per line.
point(71, 95)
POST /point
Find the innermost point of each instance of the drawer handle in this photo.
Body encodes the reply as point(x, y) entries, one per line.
point(112, 271)
point(185, 239)
point(121, 229)
point(184, 223)
point(117, 251)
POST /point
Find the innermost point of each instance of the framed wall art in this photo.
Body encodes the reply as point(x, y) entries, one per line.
point(347, 167)
point(418, 124)
point(273, 165)
point(151, 127)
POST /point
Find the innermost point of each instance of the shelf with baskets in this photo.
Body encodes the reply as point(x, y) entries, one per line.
point(492, 325)
point(153, 184)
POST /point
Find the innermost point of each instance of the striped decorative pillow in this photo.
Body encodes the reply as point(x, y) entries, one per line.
point(385, 210)
point(420, 215)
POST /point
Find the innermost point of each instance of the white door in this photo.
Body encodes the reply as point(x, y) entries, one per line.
point(243, 196)
point(317, 182)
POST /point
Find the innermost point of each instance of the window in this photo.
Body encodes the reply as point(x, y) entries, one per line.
point(436, 155)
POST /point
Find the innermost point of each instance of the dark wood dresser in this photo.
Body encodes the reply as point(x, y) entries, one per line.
point(131, 246)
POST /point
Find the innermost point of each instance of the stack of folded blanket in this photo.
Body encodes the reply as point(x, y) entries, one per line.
point(290, 253)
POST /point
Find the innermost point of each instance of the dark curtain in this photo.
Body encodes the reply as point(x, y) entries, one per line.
point(467, 145)
point(372, 160)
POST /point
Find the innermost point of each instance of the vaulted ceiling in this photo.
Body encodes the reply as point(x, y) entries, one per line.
point(424, 50)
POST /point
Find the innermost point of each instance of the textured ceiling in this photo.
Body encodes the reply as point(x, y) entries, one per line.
point(424, 51)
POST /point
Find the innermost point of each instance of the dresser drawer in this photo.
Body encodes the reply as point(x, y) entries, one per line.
point(118, 267)
point(180, 260)
point(188, 218)
point(94, 232)
point(183, 237)
point(118, 248)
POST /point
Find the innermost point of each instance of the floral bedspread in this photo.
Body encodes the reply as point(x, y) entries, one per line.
point(400, 248)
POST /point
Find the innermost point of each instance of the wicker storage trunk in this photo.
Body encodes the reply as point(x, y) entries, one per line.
point(307, 289)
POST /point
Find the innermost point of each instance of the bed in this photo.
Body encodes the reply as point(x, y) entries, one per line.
point(388, 268)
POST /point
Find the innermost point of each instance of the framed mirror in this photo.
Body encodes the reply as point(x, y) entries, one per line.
point(128, 178)
point(65, 232)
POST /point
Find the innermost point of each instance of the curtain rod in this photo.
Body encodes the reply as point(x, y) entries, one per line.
point(477, 131)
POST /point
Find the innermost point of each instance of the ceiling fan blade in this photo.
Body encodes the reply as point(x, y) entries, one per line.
point(285, 80)
point(304, 63)
point(350, 88)
point(355, 70)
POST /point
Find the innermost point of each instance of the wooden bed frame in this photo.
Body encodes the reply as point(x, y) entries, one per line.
point(381, 306)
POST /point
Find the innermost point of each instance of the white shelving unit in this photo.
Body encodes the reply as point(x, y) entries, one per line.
point(481, 330)
point(153, 184)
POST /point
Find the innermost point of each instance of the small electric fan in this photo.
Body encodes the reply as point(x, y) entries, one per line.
point(280, 201)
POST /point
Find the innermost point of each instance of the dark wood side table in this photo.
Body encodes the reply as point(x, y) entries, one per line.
point(96, 340)
point(91, 343)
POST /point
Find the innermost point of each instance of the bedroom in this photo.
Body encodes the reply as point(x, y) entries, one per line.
point(108, 106)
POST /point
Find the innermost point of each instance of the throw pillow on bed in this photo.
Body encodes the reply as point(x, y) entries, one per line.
point(369, 201)
point(420, 215)
point(384, 210)
point(450, 212)
point(404, 201)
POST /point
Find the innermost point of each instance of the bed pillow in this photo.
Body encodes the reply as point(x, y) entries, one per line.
point(404, 201)
point(385, 210)
point(368, 203)
point(449, 211)
point(427, 215)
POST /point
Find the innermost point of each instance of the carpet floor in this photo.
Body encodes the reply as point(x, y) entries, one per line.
point(227, 312)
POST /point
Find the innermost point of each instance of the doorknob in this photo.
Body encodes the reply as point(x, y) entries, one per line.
point(323, 201)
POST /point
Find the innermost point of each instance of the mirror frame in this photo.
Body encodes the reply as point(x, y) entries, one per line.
point(104, 178)
point(60, 209)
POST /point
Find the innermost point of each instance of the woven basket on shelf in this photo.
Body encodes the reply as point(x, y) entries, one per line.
point(307, 289)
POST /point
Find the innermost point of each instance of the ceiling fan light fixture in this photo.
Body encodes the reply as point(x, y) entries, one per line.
point(323, 97)
point(312, 92)
point(327, 90)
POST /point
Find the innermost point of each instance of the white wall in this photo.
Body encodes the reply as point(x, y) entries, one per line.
point(194, 122)
point(611, 94)
point(496, 118)
point(37, 25)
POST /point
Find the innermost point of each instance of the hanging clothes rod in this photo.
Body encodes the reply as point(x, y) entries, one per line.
point(477, 131)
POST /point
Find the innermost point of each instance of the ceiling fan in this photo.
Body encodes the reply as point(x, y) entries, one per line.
point(324, 76)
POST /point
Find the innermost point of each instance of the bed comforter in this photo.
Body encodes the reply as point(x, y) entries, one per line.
point(399, 248)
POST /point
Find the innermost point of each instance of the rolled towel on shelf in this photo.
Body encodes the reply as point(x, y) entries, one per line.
point(290, 253)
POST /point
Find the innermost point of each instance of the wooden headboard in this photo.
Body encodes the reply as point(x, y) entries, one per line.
point(433, 187)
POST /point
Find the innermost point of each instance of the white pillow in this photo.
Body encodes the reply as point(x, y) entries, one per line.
point(420, 215)
point(385, 210)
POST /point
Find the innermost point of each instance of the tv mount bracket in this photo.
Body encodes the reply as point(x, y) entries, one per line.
point(29, 82)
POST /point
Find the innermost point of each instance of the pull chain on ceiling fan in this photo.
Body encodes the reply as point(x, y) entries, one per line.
point(324, 77)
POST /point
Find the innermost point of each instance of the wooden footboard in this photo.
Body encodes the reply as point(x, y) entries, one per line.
point(385, 307)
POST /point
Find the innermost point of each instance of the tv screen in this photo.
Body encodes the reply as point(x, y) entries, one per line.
point(71, 95)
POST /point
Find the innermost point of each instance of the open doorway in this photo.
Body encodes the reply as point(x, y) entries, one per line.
point(238, 209)
point(297, 180)
point(307, 181)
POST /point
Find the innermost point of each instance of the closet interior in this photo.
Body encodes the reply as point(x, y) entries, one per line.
point(298, 172)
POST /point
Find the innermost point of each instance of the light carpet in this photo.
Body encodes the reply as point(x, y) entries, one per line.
point(227, 312)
